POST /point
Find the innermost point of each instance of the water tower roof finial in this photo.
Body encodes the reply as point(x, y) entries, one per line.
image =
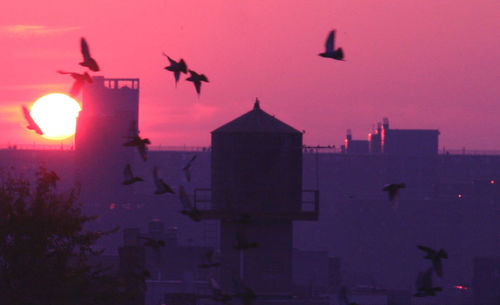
point(256, 106)
point(256, 121)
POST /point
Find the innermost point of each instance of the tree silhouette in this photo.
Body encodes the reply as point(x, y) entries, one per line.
point(44, 250)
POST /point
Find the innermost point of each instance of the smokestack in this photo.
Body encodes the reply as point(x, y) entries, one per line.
point(348, 135)
point(385, 123)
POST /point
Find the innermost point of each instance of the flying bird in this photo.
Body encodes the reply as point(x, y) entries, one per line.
point(128, 176)
point(424, 284)
point(210, 260)
point(88, 61)
point(135, 140)
point(80, 80)
point(187, 168)
point(31, 123)
point(187, 208)
point(393, 190)
point(161, 186)
point(197, 79)
point(176, 67)
point(330, 51)
point(140, 144)
point(435, 257)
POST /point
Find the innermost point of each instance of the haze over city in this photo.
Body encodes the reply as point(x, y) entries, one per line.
point(250, 152)
point(422, 64)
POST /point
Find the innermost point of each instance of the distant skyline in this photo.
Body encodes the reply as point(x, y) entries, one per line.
point(422, 64)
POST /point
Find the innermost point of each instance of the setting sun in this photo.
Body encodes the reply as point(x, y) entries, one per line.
point(56, 115)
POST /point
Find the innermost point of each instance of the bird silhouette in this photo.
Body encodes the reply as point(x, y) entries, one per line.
point(80, 80)
point(197, 79)
point(88, 61)
point(140, 144)
point(424, 284)
point(242, 291)
point(393, 190)
point(128, 176)
point(217, 294)
point(330, 51)
point(161, 186)
point(342, 297)
point(435, 257)
point(135, 140)
point(187, 208)
point(187, 168)
point(31, 123)
point(176, 67)
point(210, 260)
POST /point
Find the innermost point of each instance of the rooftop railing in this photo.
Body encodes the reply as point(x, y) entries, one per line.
point(305, 149)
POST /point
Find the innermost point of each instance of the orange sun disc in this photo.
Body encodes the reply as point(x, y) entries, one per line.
point(56, 114)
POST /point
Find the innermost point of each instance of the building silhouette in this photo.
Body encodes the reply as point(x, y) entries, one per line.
point(110, 107)
point(256, 172)
point(385, 140)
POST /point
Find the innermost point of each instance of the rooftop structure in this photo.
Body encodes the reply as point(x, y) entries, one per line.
point(110, 109)
point(395, 141)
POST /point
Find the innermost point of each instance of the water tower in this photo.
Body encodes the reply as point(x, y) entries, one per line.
point(109, 107)
point(257, 171)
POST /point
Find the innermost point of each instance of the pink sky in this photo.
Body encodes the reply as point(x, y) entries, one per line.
point(429, 64)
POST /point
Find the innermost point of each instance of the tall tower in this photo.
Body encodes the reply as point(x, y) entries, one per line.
point(257, 172)
point(109, 108)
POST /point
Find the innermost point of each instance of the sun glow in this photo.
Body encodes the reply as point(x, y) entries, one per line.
point(56, 114)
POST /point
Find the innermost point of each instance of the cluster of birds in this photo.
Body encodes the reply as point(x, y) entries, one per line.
point(242, 291)
point(161, 187)
point(210, 260)
point(424, 279)
point(178, 67)
point(88, 61)
point(82, 78)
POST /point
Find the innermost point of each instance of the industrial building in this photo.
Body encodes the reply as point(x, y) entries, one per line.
point(417, 142)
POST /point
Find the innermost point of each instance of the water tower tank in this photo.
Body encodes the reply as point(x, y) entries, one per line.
point(256, 165)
